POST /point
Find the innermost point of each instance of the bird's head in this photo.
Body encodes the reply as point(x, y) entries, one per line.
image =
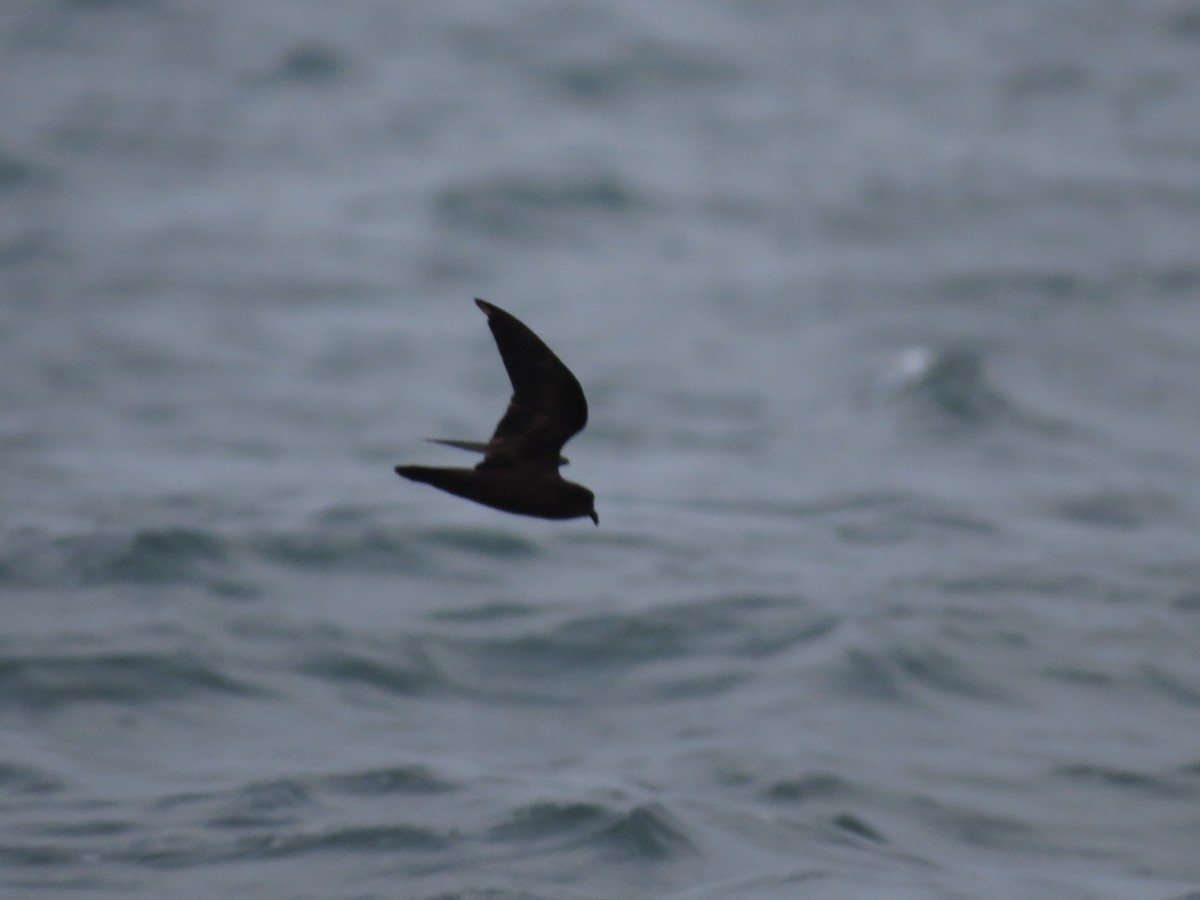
point(580, 502)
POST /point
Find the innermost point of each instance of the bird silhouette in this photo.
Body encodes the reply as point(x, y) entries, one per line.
point(519, 472)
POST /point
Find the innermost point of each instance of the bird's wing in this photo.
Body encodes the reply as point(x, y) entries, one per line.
point(547, 406)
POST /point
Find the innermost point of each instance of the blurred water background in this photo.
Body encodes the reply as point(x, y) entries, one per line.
point(889, 318)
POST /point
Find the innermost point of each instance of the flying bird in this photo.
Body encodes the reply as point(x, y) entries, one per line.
point(519, 472)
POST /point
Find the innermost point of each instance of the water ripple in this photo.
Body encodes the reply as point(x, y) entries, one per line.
point(893, 673)
point(645, 831)
point(143, 556)
point(658, 646)
point(46, 682)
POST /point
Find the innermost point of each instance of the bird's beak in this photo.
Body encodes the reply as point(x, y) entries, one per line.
point(595, 518)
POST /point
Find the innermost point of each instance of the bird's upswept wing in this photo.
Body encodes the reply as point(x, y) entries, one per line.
point(547, 407)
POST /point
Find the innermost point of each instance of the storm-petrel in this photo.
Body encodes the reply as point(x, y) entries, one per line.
point(519, 472)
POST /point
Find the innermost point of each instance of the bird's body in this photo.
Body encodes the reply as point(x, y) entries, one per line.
point(547, 496)
point(519, 471)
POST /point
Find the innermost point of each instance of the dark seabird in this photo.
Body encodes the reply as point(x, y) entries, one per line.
point(519, 472)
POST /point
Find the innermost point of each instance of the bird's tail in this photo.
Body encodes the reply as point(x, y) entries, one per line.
point(476, 447)
point(473, 446)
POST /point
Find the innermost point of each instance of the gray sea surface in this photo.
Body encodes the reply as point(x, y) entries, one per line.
point(888, 315)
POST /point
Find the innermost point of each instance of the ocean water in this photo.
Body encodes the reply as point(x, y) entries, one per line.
point(888, 315)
